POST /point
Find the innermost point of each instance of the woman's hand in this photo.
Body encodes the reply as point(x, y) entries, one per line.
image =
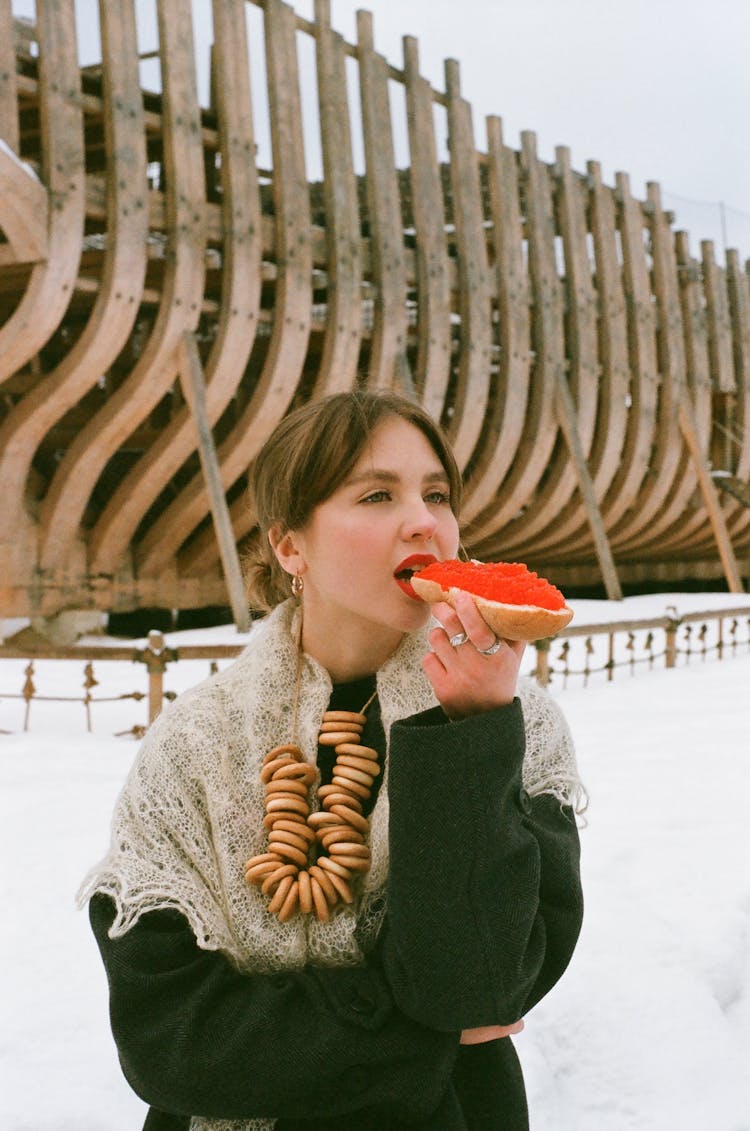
point(490, 1033)
point(465, 681)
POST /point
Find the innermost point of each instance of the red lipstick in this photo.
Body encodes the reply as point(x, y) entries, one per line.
point(409, 566)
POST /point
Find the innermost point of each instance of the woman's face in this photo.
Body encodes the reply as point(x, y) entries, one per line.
point(390, 517)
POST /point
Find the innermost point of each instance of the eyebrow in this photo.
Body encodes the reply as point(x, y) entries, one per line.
point(383, 476)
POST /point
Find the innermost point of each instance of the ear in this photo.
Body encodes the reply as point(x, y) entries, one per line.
point(288, 550)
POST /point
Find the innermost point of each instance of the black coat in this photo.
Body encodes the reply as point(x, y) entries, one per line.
point(484, 909)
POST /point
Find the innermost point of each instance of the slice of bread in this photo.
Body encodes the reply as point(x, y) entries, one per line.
point(509, 622)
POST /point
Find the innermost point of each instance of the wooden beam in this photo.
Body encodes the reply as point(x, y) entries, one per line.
point(432, 371)
point(388, 347)
point(566, 414)
point(194, 387)
point(710, 497)
point(23, 208)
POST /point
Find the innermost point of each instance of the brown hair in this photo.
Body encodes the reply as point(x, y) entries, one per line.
point(307, 457)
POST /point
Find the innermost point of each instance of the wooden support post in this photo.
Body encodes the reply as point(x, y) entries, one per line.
point(673, 623)
point(710, 498)
point(193, 384)
point(156, 663)
point(566, 414)
point(541, 671)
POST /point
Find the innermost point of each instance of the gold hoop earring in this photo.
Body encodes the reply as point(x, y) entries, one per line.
point(297, 585)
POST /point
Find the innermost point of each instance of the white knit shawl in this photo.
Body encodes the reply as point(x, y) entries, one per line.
point(191, 811)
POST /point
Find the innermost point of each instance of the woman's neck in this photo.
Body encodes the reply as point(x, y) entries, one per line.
point(348, 655)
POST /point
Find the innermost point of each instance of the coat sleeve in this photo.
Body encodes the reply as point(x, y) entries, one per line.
point(196, 1036)
point(484, 904)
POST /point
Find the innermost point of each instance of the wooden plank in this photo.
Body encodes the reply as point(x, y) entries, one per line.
point(644, 382)
point(670, 480)
point(569, 415)
point(738, 287)
point(282, 368)
point(691, 519)
point(182, 289)
point(694, 317)
point(719, 324)
point(240, 296)
point(471, 397)
point(338, 363)
point(510, 385)
point(614, 380)
point(23, 208)
point(194, 386)
point(739, 309)
point(559, 502)
point(432, 372)
point(9, 132)
point(123, 271)
point(711, 499)
point(200, 554)
point(541, 427)
point(50, 284)
point(388, 364)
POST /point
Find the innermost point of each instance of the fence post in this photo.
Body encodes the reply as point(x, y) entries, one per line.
point(541, 672)
point(155, 658)
point(673, 623)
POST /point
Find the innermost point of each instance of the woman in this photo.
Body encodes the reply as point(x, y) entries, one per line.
point(306, 929)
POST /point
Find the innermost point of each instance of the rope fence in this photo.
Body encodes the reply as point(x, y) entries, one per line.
point(584, 652)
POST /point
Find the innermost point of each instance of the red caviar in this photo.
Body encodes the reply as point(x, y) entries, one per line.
point(510, 583)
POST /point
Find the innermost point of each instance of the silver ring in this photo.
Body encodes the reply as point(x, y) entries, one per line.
point(493, 648)
point(457, 640)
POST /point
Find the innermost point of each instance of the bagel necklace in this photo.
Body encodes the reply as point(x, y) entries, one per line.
point(313, 858)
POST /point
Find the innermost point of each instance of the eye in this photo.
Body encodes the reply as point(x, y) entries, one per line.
point(441, 498)
point(379, 496)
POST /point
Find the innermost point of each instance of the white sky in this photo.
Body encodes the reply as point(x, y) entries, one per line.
point(656, 88)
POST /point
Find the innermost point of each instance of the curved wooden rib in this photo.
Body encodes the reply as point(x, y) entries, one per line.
point(182, 290)
point(9, 132)
point(201, 555)
point(669, 465)
point(541, 428)
point(433, 267)
point(738, 286)
point(559, 500)
point(338, 364)
point(50, 285)
point(504, 426)
point(240, 298)
point(691, 519)
point(642, 354)
point(464, 426)
point(292, 307)
point(739, 307)
point(388, 344)
point(720, 337)
point(571, 537)
point(116, 306)
point(23, 208)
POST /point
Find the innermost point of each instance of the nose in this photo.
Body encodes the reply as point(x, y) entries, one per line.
point(419, 523)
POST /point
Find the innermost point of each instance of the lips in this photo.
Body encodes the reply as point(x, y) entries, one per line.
point(405, 570)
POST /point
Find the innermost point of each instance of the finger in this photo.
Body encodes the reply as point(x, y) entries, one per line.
point(442, 647)
point(479, 632)
point(447, 616)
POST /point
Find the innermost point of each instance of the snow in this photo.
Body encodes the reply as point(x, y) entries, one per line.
point(649, 1029)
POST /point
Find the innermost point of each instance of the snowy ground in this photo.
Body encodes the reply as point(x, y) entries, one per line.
point(648, 1031)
